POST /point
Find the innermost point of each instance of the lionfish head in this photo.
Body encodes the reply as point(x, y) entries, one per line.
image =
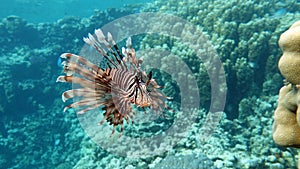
point(143, 98)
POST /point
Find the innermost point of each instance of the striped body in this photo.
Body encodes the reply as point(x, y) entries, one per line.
point(133, 90)
point(114, 88)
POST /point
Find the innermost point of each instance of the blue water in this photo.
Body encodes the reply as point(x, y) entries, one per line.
point(51, 10)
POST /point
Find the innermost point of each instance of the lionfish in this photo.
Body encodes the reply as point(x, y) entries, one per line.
point(115, 87)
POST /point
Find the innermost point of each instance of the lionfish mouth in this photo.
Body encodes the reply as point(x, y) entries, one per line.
point(145, 105)
point(121, 76)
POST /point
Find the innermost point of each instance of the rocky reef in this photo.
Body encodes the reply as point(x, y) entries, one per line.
point(34, 131)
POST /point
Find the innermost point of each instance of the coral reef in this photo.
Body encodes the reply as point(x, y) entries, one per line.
point(35, 133)
point(15, 30)
point(286, 130)
point(244, 35)
point(192, 161)
point(289, 63)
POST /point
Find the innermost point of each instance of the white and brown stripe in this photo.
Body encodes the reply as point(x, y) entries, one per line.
point(114, 88)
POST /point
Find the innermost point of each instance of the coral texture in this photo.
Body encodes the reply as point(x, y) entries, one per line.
point(286, 127)
point(289, 63)
point(34, 133)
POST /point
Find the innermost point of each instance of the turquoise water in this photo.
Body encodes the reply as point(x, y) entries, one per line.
point(49, 11)
point(216, 59)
